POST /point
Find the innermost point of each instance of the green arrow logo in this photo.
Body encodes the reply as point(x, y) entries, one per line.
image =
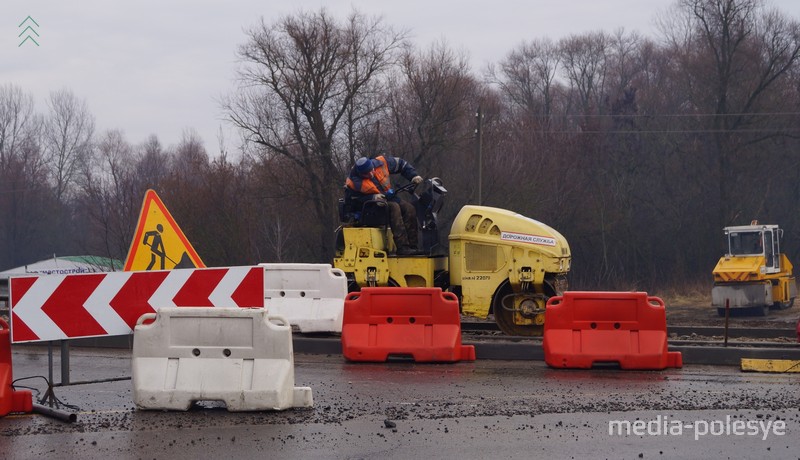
point(28, 31)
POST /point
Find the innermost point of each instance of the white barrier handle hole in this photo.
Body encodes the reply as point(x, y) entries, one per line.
point(283, 294)
point(196, 352)
point(146, 317)
point(277, 320)
point(226, 352)
point(302, 293)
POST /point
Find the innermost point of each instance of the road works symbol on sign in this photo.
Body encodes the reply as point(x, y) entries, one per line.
point(158, 243)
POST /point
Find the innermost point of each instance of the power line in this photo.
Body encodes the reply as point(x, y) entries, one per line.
point(675, 131)
point(670, 115)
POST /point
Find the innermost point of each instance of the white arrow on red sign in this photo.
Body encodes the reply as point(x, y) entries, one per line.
point(57, 307)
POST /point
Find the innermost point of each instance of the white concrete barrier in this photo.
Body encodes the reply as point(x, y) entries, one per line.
point(242, 357)
point(309, 296)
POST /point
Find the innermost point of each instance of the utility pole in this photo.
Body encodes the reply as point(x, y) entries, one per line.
point(479, 133)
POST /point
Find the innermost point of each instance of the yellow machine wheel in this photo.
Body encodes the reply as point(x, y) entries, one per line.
point(504, 316)
point(783, 305)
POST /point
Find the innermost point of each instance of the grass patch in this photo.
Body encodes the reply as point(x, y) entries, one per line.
point(688, 295)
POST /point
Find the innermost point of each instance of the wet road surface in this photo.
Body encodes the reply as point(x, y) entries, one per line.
point(481, 409)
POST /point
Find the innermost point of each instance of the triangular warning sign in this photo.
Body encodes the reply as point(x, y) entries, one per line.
point(158, 243)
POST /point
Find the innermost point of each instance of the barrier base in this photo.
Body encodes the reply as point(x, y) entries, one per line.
point(242, 385)
point(16, 401)
point(10, 400)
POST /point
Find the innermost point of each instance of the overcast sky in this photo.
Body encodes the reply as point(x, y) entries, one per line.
point(160, 67)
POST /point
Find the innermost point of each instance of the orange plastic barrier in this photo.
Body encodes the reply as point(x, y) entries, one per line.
point(10, 400)
point(423, 323)
point(582, 329)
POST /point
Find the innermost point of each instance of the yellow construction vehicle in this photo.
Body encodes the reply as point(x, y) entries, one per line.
point(499, 262)
point(753, 275)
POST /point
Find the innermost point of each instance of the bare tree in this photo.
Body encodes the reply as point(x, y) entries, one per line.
point(191, 160)
point(584, 64)
point(737, 54)
point(432, 106)
point(526, 77)
point(626, 62)
point(111, 196)
point(300, 77)
point(28, 228)
point(26, 212)
point(18, 122)
point(153, 162)
point(278, 235)
point(67, 138)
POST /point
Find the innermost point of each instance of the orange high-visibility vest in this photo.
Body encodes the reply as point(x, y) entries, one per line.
point(379, 183)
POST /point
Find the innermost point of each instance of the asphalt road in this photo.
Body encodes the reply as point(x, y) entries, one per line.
point(481, 409)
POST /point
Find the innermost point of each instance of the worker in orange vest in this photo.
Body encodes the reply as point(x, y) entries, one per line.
point(369, 179)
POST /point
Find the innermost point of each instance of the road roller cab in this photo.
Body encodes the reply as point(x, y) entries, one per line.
point(753, 275)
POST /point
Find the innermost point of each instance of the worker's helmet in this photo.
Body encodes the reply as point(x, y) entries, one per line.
point(364, 165)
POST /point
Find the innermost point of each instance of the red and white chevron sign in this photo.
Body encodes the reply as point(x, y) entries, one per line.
point(57, 307)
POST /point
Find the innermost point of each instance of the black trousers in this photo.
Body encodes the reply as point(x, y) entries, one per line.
point(403, 221)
